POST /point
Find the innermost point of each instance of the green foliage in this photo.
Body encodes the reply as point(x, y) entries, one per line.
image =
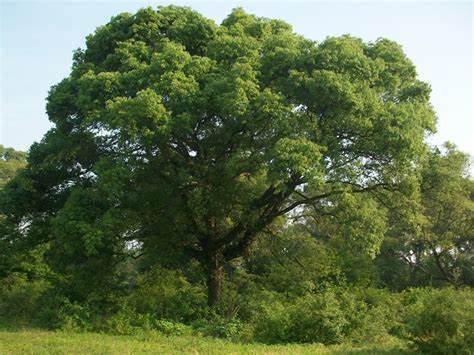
point(433, 321)
point(281, 181)
point(430, 238)
point(167, 294)
point(72, 317)
point(10, 162)
point(317, 319)
point(219, 327)
point(171, 328)
point(19, 300)
point(441, 321)
point(372, 314)
point(190, 139)
point(330, 317)
point(285, 262)
point(127, 322)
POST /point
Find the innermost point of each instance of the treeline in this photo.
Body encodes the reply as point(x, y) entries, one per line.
point(240, 180)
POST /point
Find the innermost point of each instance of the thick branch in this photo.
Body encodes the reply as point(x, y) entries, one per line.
point(309, 200)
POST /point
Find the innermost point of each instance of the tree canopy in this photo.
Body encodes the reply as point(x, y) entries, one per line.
point(431, 237)
point(179, 139)
point(11, 161)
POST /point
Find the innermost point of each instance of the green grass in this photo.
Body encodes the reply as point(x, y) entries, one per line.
point(44, 342)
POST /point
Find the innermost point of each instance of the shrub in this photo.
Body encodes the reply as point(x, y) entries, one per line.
point(273, 324)
point(171, 328)
point(220, 327)
point(124, 322)
point(168, 295)
point(440, 321)
point(317, 319)
point(372, 314)
point(311, 318)
point(19, 299)
point(127, 322)
point(73, 317)
point(333, 316)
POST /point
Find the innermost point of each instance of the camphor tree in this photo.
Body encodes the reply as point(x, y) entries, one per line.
point(180, 138)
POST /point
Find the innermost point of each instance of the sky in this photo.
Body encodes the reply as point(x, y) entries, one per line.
point(38, 38)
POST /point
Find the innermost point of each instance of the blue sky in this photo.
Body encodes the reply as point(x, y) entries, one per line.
point(37, 40)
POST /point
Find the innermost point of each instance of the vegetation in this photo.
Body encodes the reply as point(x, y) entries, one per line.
point(42, 342)
point(10, 161)
point(240, 182)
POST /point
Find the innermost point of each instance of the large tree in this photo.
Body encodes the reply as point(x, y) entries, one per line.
point(174, 136)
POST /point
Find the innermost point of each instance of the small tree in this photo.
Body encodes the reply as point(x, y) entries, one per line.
point(186, 139)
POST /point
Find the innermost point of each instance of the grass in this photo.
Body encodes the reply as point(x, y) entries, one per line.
point(45, 342)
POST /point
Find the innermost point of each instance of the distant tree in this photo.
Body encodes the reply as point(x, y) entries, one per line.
point(10, 161)
point(182, 139)
point(434, 240)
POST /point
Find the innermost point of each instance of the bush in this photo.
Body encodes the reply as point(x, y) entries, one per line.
point(318, 319)
point(167, 294)
point(333, 316)
point(126, 322)
point(311, 318)
point(432, 320)
point(171, 328)
point(219, 327)
point(372, 314)
point(20, 299)
point(440, 321)
point(35, 303)
point(73, 317)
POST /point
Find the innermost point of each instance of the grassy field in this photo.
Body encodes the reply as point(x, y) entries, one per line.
point(43, 342)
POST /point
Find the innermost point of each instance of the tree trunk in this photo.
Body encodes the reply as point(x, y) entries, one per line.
point(215, 277)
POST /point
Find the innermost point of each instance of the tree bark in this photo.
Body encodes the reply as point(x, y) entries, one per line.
point(215, 278)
